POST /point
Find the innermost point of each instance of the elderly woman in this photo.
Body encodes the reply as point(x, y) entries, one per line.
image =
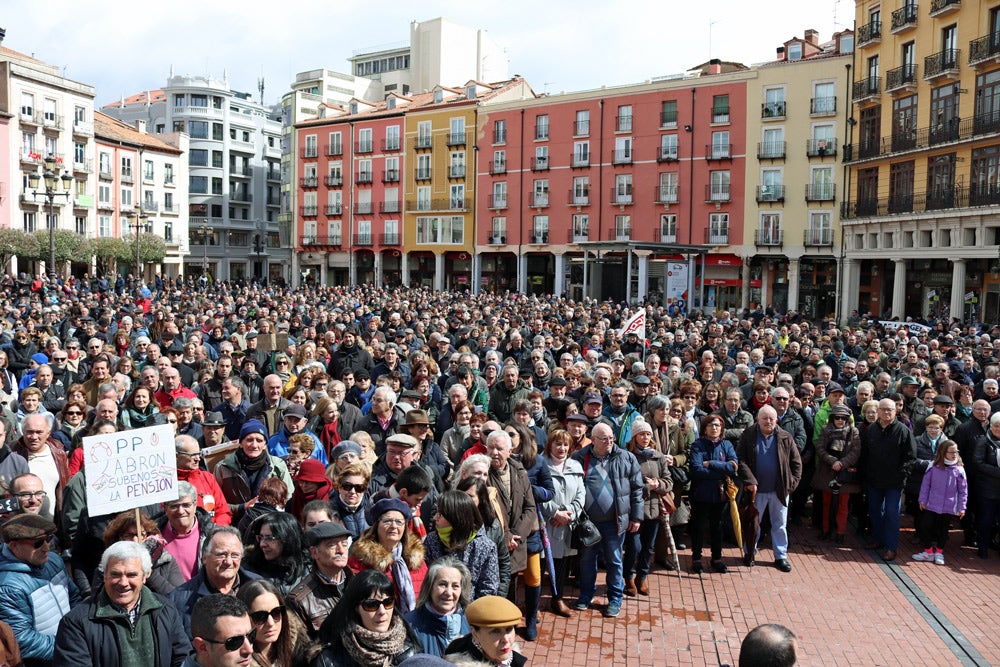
point(561, 511)
point(439, 618)
point(838, 449)
point(456, 533)
point(241, 473)
point(366, 628)
point(656, 491)
point(275, 551)
point(389, 546)
point(184, 527)
point(280, 638)
point(492, 622)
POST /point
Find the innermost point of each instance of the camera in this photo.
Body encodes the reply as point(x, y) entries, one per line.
point(8, 505)
point(835, 485)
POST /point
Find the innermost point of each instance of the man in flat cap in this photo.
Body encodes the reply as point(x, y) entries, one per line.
point(315, 596)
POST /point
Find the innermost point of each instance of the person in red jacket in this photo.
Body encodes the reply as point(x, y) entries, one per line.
point(210, 496)
point(172, 389)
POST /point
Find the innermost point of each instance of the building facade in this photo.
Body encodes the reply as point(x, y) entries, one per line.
point(921, 230)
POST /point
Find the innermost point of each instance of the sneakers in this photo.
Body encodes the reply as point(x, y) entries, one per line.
point(581, 605)
point(926, 557)
point(939, 558)
point(613, 609)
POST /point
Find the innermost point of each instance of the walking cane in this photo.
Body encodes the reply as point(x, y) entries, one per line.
point(665, 524)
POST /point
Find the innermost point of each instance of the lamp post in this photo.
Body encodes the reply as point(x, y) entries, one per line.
point(138, 219)
point(50, 176)
point(203, 231)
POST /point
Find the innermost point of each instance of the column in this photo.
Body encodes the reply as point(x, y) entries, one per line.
point(404, 269)
point(745, 284)
point(848, 280)
point(352, 272)
point(439, 271)
point(899, 289)
point(296, 268)
point(958, 289)
point(324, 269)
point(643, 288)
point(477, 273)
point(628, 276)
point(765, 278)
point(793, 283)
point(522, 274)
point(559, 284)
point(378, 269)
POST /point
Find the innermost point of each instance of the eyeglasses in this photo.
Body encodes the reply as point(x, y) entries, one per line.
point(357, 488)
point(779, 398)
point(59, 360)
point(260, 617)
point(196, 455)
point(261, 539)
point(373, 605)
point(70, 413)
point(37, 544)
point(233, 643)
point(179, 506)
point(281, 363)
point(25, 495)
point(231, 555)
point(398, 523)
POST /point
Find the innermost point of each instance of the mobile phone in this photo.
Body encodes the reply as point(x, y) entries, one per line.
point(8, 505)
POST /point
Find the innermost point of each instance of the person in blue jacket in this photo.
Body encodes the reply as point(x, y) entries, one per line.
point(712, 460)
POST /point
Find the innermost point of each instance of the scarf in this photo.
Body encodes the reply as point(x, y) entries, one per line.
point(444, 534)
point(248, 463)
point(329, 436)
point(368, 647)
point(404, 584)
point(300, 497)
point(644, 454)
point(138, 418)
point(417, 526)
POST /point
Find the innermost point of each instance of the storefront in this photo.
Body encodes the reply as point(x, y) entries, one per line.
point(499, 272)
point(723, 282)
point(458, 271)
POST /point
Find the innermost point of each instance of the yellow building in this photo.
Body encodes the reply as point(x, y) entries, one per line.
point(796, 110)
point(439, 234)
point(922, 234)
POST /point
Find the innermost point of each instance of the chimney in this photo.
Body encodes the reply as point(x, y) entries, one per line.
point(715, 66)
point(781, 53)
point(812, 37)
point(140, 125)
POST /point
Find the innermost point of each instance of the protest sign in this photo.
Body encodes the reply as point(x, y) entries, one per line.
point(130, 469)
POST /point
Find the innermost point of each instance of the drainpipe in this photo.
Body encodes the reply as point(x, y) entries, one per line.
point(520, 215)
point(845, 196)
point(690, 290)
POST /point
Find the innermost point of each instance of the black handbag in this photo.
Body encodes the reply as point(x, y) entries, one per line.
point(585, 533)
point(680, 478)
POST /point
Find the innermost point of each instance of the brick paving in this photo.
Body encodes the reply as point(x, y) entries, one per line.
point(845, 604)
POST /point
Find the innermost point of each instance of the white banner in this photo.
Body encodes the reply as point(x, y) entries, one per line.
point(130, 469)
point(635, 325)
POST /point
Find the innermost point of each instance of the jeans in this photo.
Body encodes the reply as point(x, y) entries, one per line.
point(771, 503)
point(884, 506)
point(611, 546)
point(639, 549)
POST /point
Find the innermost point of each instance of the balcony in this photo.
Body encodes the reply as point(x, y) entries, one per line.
point(500, 137)
point(622, 157)
point(363, 147)
point(986, 123)
point(772, 238)
point(308, 211)
point(900, 203)
point(498, 239)
point(539, 200)
point(717, 236)
point(334, 210)
point(579, 198)
point(870, 33)
point(904, 18)
point(823, 106)
point(103, 171)
point(418, 205)
point(497, 202)
point(274, 176)
point(942, 7)
point(623, 123)
point(84, 167)
point(309, 181)
point(334, 181)
point(52, 121)
point(308, 152)
point(942, 198)
point(581, 235)
point(984, 50)
point(83, 128)
point(423, 174)
point(362, 208)
point(579, 161)
point(29, 117)
point(391, 206)
point(719, 152)
point(717, 193)
point(720, 115)
point(772, 110)
point(821, 237)
point(621, 197)
point(363, 239)
point(456, 138)
point(451, 204)
point(240, 197)
point(666, 194)
point(984, 195)
point(32, 157)
point(273, 201)
point(334, 150)
point(363, 178)
point(126, 177)
point(456, 171)
point(668, 237)
point(901, 80)
point(498, 167)
point(423, 142)
point(390, 238)
point(667, 154)
point(944, 132)
point(668, 119)
point(539, 164)
point(771, 150)
point(581, 128)
point(770, 194)
point(390, 176)
point(150, 207)
point(867, 89)
point(332, 241)
point(821, 147)
point(539, 237)
point(390, 145)
point(821, 191)
point(942, 65)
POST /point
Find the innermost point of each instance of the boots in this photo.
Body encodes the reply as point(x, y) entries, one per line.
point(532, 598)
point(630, 587)
point(560, 608)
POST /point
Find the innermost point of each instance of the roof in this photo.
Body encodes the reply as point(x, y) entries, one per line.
point(4, 51)
point(106, 127)
point(145, 97)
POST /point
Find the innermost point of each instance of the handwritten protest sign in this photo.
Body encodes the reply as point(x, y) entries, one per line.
point(130, 469)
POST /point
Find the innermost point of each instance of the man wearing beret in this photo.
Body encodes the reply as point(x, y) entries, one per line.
point(35, 591)
point(314, 597)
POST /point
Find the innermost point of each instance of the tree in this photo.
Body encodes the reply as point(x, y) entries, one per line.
point(70, 246)
point(110, 252)
point(16, 243)
point(152, 248)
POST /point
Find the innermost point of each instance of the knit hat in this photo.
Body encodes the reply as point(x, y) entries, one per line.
point(39, 358)
point(345, 447)
point(253, 426)
point(640, 425)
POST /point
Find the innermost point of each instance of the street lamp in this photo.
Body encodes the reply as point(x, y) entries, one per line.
point(51, 177)
point(140, 223)
point(203, 231)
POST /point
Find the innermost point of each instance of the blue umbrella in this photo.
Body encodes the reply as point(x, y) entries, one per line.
point(548, 550)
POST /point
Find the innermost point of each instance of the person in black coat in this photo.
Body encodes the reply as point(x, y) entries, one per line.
point(887, 451)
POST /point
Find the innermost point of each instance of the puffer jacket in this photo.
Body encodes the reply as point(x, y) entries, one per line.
point(33, 600)
point(706, 482)
point(945, 490)
point(626, 483)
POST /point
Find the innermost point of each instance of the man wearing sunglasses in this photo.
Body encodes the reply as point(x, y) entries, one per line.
point(223, 633)
point(36, 590)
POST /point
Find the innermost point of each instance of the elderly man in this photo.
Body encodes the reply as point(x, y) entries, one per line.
point(240, 474)
point(736, 419)
point(770, 468)
point(613, 484)
point(383, 420)
point(46, 457)
point(620, 414)
point(35, 591)
point(268, 410)
point(222, 633)
point(966, 437)
point(125, 623)
point(505, 393)
point(184, 527)
point(315, 596)
point(221, 572)
point(209, 493)
point(12, 464)
point(294, 420)
point(186, 424)
point(172, 388)
point(887, 450)
point(401, 451)
point(53, 393)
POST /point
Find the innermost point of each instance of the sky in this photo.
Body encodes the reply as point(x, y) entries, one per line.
point(122, 48)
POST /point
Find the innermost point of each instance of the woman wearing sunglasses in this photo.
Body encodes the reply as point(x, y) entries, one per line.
point(280, 639)
point(366, 628)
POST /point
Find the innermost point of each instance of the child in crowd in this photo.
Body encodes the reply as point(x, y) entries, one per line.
point(943, 494)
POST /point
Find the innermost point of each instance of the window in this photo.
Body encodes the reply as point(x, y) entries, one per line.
point(719, 186)
point(198, 157)
point(423, 167)
point(944, 114)
point(499, 162)
point(179, 100)
point(364, 171)
point(668, 113)
point(580, 195)
point(774, 103)
point(499, 199)
point(582, 126)
point(904, 123)
point(769, 232)
point(987, 116)
point(311, 146)
point(623, 227)
point(623, 189)
point(336, 146)
point(821, 185)
point(392, 169)
point(456, 165)
point(80, 225)
point(541, 157)
point(365, 140)
point(795, 50)
point(456, 135)
point(668, 147)
point(542, 127)
point(720, 109)
point(27, 105)
point(870, 129)
point(623, 122)
point(217, 131)
point(168, 174)
point(424, 134)
point(449, 230)
point(540, 229)
point(148, 170)
point(668, 188)
point(104, 225)
point(718, 228)
point(500, 132)
point(216, 186)
point(824, 98)
point(424, 198)
point(774, 143)
point(104, 163)
point(217, 157)
point(198, 185)
point(49, 111)
point(581, 227)
point(668, 228)
point(104, 195)
point(456, 198)
point(29, 222)
point(540, 193)
point(820, 232)
point(498, 230)
point(623, 150)
point(168, 202)
point(199, 100)
point(720, 145)
point(985, 176)
point(79, 153)
point(771, 188)
point(391, 230)
point(941, 181)
point(901, 187)
point(198, 129)
point(392, 138)
point(581, 153)
point(867, 200)
point(126, 167)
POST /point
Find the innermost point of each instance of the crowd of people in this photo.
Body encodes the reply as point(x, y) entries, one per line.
point(368, 475)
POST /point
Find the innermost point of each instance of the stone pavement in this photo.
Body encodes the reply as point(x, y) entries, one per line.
point(845, 604)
